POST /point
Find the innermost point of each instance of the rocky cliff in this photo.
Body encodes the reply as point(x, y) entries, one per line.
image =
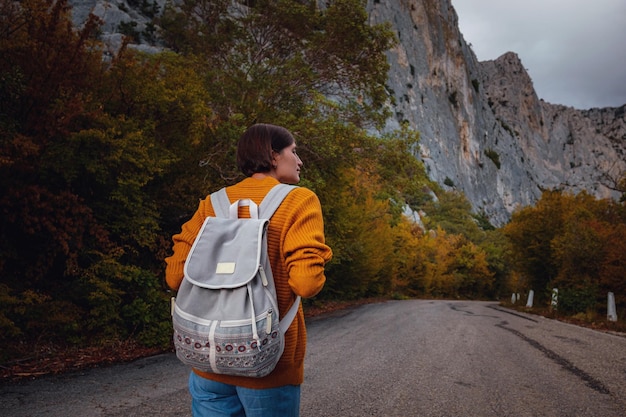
point(483, 129)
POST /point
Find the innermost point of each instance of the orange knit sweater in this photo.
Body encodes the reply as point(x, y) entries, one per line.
point(297, 253)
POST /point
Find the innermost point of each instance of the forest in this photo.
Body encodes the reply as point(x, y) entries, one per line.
point(103, 156)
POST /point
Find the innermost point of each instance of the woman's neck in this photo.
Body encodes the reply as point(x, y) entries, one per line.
point(261, 175)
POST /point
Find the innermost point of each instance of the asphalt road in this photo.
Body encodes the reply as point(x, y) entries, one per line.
point(399, 358)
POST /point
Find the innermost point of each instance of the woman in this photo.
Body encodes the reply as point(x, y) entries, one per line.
point(266, 154)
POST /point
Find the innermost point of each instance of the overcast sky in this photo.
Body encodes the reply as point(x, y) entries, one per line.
point(573, 50)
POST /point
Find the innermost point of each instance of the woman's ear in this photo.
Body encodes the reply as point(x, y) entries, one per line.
point(275, 157)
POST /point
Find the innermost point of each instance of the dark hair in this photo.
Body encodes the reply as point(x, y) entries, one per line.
point(254, 150)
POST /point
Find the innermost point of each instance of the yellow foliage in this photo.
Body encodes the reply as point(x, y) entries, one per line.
point(444, 265)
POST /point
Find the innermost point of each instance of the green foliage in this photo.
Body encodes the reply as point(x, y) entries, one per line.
point(403, 176)
point(494, 156)
point(580, 298)
point(453, 213)
point(494, 244)
point(130, 29)
point(483, 222)
point(507, 127)
point(277, 56)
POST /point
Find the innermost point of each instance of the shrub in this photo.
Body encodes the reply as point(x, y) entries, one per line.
point(576, 300)
point(493, 155)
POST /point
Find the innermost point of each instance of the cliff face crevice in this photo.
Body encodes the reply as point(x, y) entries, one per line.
point(482, 127)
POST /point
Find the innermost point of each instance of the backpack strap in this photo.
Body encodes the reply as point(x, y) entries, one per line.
point(274, 199)
point(291, 314)
point(220, 203)
point(268, 206)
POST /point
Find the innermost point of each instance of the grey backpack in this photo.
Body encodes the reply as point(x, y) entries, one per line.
point(225, 315)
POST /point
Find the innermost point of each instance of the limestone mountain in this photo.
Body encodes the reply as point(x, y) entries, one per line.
point(483, 129)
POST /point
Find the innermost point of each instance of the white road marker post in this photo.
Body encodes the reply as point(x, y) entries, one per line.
point(611, 312)
point(529, 302)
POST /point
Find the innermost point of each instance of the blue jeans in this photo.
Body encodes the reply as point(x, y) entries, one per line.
point(214, 399)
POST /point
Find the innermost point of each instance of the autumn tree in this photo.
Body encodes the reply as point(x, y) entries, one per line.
point(78, 227)
point(571, 242)
point(358, 227)
point(263, 58)
point(585, 252)
point(530, 234)
point(494, 245)
point(46, 68)
point(454, 267)
point(408, 260)
point(452, 212)
point(283, 62)
point(613, 268)
point(577, 251)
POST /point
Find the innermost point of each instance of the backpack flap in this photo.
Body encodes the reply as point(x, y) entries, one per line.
point(220, 256)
